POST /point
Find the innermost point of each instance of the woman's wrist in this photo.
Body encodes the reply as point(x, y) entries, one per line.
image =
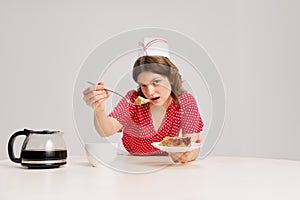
point(99, 111)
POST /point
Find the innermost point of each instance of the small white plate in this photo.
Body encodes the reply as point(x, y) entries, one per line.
point(177, 149)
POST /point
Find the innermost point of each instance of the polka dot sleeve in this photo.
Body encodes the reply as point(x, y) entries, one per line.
point(191, 121)
point(121, 111)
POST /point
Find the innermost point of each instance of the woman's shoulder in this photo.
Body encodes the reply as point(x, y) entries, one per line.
point(186, 99)
point(132, 94)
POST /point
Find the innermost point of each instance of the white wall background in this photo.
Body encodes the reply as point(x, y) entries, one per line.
point(254, 43)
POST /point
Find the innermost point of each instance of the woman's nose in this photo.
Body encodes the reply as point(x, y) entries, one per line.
point(150, 90)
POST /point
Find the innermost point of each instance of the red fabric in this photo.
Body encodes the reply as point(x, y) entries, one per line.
point(138, 129)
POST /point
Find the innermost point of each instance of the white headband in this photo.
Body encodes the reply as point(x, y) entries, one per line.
point(154, 47)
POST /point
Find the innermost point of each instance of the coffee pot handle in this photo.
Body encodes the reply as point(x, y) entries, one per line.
point(11, 145)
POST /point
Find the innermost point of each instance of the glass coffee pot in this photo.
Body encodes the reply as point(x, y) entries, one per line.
point(40, 149)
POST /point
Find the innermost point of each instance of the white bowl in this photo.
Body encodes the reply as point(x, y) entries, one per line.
point(101, 153)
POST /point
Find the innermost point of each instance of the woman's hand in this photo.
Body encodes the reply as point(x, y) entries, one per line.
point(95, 96)
point(187, 156)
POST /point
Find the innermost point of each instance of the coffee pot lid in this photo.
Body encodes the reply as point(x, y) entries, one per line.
point(41, 132)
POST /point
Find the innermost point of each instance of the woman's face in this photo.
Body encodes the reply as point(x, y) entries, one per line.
point(155, 87)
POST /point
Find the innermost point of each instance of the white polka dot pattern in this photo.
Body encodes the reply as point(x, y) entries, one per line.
point(138, 128)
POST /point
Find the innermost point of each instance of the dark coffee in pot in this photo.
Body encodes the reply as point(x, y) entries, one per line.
point(42, 158)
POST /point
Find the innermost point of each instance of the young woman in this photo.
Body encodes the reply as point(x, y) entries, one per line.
point(170, 109)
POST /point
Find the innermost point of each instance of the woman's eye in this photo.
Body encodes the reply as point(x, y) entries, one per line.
point(142, 86)
point(156, 82)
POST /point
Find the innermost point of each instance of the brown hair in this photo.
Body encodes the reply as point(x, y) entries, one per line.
point(163, 66)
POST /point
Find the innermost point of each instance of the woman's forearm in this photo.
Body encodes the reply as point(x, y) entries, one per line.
point(103, 124)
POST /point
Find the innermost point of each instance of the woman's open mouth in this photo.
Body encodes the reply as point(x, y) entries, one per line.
point(155, 99)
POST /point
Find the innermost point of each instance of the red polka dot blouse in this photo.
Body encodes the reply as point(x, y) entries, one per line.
point(138, 129)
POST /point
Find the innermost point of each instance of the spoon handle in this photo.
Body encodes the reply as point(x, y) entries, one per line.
point(115, 92)
point(91, 83)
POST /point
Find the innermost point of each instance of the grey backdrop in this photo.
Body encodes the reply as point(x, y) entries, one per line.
point(254, 43)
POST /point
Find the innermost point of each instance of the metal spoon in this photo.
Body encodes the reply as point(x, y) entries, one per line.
point(91, 83)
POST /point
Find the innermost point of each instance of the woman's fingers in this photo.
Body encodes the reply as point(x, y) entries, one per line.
point(96, 98)
point(89, 89)
point(94, 95)
point(93, 88)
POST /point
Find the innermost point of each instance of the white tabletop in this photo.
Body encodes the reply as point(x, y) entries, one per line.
point(212, 178)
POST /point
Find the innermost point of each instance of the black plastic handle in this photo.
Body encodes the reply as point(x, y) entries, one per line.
point(11, 145)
